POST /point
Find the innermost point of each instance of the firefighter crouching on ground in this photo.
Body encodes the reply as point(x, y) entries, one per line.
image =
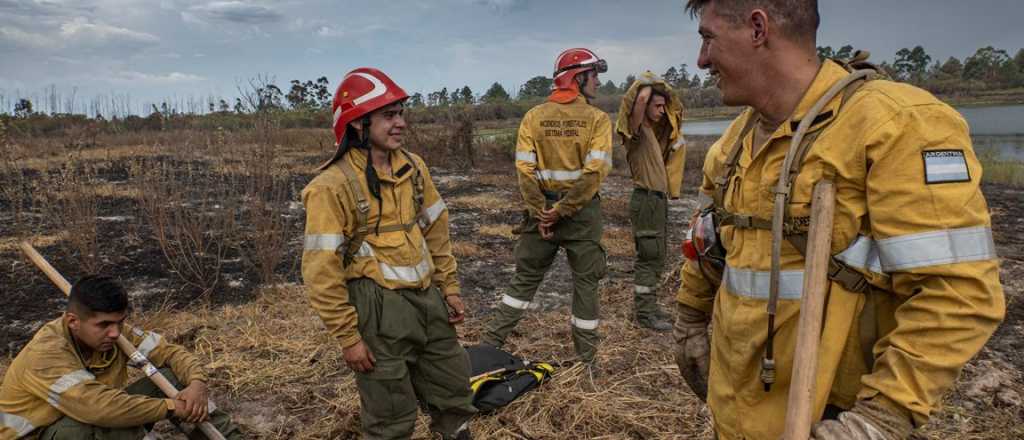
point(379, 267)
point(914, 283)
point(649, 122)
point(69, 381)
point(563, 152)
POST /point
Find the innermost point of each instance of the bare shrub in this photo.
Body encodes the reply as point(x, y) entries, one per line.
point(191, 212)
point(69, 200)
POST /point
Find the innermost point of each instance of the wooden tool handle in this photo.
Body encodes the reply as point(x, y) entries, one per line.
point(800, 408)
point(123, 343)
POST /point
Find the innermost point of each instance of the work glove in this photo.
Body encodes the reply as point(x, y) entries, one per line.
point(876, 419)
point(693, 348)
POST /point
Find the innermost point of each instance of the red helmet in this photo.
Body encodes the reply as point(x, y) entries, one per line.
point(574, 61)
point(362, 91)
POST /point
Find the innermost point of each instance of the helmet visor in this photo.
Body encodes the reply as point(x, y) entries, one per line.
point(601, 66)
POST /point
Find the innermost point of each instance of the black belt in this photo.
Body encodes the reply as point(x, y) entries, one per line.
point(554, 196)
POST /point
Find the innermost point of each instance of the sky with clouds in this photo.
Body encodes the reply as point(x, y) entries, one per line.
point(153, 50)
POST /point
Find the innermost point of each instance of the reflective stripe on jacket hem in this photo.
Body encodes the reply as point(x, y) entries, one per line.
point(559, 175)
point(65, 383)
point(754, 283)
point(584, 324)
point(598, 155)
point(324, 242)
point(19, 424)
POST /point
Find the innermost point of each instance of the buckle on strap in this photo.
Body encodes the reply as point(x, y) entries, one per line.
point(850, 279)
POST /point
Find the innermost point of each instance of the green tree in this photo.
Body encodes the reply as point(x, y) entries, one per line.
point(494, 94)
point(695, 81)
point(466, 96)
point(609, 88)
point(628, 82)
point(984, 63)
point(23, 108)
point(672, 77)
point(1019, 59)
point(951, 69)
point(416, 100)
point(299, 94)
point(538, 86)
point(826, 52)
point(911, 64)
point(844, 53)
point(322, 92)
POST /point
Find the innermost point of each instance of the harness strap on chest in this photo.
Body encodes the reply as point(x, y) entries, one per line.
point(363, 208)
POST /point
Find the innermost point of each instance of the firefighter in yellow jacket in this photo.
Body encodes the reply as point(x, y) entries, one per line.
point(914, 282)
point(69, 381)
point(563, 152)
point(649, 121)
point(379, 267)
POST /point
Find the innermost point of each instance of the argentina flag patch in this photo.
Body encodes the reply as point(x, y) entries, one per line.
point(945, 166)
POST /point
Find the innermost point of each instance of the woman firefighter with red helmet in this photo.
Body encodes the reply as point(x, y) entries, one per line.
point(379, 268)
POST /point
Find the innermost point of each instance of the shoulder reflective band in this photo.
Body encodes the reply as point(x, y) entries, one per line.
point(65, 383)
point(147, 345)
point(19, 424)
point(526, 156)
point(559, 175)
point(515, 303)
point(584, 324)
point(324, 242)
point(754, 283)
point(947, 246)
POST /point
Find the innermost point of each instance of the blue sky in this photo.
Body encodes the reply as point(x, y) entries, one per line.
point(158, 49)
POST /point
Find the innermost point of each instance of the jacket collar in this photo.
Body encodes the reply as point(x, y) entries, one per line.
point(401, 168)
point(828, 74)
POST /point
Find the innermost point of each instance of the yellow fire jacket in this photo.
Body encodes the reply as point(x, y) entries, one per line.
point(411, 258)
point(671, 151)
point(910, 216)
point(48, 380)
point(564, 150)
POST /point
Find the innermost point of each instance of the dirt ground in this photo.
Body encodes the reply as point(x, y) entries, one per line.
point(281, 377)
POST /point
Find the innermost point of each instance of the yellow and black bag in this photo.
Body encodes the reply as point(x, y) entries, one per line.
point(500, 378)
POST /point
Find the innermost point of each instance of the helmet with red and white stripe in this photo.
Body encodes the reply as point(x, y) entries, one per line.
point(362, 91)
point(574, 61)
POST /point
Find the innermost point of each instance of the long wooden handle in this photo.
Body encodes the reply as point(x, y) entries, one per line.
point(126, 346)
point(800, 408)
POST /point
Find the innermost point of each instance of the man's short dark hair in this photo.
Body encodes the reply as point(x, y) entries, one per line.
point(799, 18)
point(663, 95)
point(97, 294)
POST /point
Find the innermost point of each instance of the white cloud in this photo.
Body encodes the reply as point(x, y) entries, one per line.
point(149, 78)
point(81, 32)
point(232, 11)
point(18, 38)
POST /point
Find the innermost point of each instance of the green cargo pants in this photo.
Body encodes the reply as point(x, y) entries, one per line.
point(580, 235)
point(66, 428)
point(648, 212)
point(418, 359)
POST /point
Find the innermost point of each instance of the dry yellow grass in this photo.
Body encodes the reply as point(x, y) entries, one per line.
point(490, 202)
point(500, 230)
point(467, 249)
point(618, 241)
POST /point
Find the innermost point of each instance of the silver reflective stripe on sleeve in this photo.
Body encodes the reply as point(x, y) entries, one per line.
point(324, 242)
point(679, 144)
point(364, 250)
point(65, 383)
point(435, 210)
point(584, 324)
point(514, 303)
point(934, 248)
point(597, 155)
point(559, 175)
point(754, 283)
point(409, 274)
point(19, 424)
point(148, 344)
point(862, 254)
point(526, 156)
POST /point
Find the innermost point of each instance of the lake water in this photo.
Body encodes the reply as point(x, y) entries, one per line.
point(997, 130)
